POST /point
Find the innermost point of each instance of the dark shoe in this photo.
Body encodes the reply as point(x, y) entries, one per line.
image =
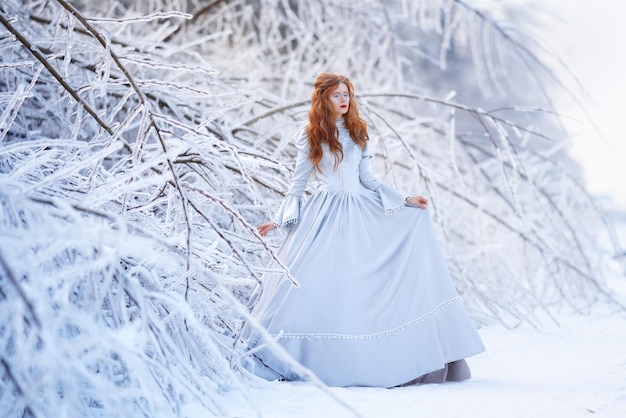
point(438, 376)
point(458, 371)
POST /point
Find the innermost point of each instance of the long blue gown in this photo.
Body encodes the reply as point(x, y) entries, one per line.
point(376, 304)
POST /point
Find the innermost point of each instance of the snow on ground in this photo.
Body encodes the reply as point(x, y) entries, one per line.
point(574, 369)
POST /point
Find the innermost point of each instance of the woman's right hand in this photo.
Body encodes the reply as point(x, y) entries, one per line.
point(419, 201)
point(265, 228)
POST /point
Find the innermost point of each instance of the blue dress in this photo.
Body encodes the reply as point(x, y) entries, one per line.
point(376, 305)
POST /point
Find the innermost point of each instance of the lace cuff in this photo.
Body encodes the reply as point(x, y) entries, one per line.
point(393, 200)
point(289, 211)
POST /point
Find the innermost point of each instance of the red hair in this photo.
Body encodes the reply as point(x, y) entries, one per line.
point(322, 128)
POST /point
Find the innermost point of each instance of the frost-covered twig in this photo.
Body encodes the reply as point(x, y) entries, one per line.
point(35, 51)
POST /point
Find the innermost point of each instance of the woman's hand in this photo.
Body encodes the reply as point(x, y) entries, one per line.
point(419, 201)
point(265, 228)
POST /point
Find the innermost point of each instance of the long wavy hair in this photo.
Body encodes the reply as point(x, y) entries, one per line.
point(322, 128)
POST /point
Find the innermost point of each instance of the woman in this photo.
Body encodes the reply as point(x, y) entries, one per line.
point(376, 305)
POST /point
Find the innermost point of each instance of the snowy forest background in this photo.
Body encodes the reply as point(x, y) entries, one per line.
point(141, 142)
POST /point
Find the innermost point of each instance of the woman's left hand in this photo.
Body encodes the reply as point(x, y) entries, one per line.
point(419, 201)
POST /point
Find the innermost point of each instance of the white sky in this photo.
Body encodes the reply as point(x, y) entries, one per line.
point(593, 44)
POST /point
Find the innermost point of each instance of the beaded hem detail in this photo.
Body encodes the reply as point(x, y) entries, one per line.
point(394, 210)
point(388, 333)
point(289, 222)
point(286, 223)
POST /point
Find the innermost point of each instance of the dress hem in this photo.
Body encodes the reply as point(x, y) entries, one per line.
point(382, 334)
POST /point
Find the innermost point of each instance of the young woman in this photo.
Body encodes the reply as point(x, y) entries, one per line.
point(376, 305)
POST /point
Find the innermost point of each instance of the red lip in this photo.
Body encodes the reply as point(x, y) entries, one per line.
point(343, 106)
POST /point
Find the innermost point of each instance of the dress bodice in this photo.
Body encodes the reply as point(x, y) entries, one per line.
point(353, 175)
point(342, 177)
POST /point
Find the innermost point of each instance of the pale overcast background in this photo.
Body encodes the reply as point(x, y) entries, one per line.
point(592, 41)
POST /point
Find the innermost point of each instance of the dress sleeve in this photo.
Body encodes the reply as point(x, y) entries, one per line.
point(289, 210)
point(393, 200)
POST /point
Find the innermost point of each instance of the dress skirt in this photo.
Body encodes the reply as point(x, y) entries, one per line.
point(376, 304)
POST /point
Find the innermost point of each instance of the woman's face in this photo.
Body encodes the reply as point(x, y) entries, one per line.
point(340, 100)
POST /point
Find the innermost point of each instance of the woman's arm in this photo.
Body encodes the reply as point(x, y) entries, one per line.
point(302, 171)
point(289, 210)
point(393, 200)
